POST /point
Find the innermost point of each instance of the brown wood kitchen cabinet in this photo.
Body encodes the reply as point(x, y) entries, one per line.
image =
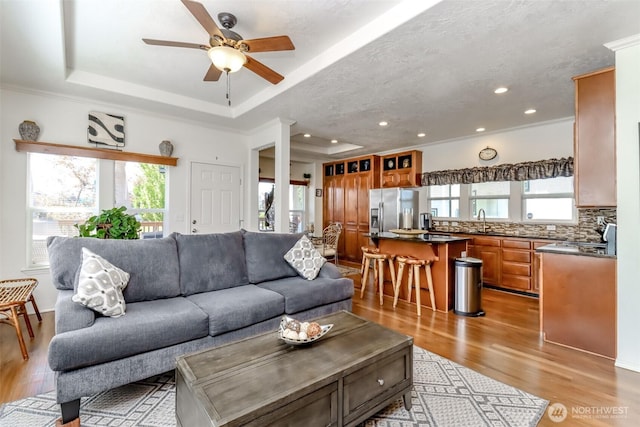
point(487, 249)
point(346, 200)
point(594, 139)
point(401, 169)
point(508, 262)
point(578, 302)
point(516, 264)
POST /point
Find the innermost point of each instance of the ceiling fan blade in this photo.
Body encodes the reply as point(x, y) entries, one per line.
point(200, 13)
point(213, 74)
point(175, 44)
point(263, 71)
point(269, 44)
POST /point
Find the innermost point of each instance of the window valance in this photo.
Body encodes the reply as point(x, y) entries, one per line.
point(541, 169)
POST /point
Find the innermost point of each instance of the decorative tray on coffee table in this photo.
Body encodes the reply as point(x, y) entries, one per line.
point(282, 332)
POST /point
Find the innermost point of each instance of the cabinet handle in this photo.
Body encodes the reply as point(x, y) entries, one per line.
point(380, 381)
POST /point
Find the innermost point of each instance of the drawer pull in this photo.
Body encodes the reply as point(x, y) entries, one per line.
point(380, 381)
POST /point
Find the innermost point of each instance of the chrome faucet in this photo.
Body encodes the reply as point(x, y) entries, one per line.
point(484, 219)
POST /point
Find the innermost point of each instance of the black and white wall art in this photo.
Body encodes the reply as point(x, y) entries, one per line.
point(106, 129)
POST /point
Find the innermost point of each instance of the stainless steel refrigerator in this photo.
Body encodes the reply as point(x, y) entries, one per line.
point(386, 208)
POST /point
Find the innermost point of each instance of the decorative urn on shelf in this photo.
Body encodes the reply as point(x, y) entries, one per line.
point(29, 130)
point(166, 148)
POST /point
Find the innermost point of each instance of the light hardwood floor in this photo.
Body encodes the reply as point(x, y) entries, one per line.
point(504, 345)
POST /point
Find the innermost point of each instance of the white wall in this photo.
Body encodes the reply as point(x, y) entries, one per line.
point(64, 121)
point(628, 196)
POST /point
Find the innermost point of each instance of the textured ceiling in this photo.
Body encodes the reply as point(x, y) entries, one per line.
point(423, 66)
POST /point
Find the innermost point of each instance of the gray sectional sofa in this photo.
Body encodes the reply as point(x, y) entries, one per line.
point(185, 293)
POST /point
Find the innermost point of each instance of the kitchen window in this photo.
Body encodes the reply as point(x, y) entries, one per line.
point(444, 200)
point(548, 199)
point(493, 197)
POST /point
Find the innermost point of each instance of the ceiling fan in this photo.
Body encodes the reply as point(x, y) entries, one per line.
point(227, 49)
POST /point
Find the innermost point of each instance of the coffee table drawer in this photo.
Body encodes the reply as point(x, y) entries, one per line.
point(369, 386)
point(317, 409)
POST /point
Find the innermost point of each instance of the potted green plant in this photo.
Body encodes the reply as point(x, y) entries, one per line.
point(111, 224)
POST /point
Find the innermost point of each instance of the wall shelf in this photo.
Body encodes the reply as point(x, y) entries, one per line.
point(96, 153)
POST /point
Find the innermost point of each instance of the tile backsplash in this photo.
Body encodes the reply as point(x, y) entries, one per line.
point(587, 229)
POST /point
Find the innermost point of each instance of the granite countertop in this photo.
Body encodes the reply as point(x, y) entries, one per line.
point(421, 238)
point(578, 248)
point(494, 234)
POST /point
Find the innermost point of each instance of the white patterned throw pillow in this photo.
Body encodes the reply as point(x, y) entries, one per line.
point(304, 257)
point(100, 285)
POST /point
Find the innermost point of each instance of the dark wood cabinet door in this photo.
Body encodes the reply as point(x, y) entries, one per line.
point(490, 256)
point(351, 193)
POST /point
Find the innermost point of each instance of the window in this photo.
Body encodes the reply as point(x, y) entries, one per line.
point(540, 200)
point(548, 199)
point(141, 188)
point(493, 197)
point(266, 209)
point(62, 192)
point(297, 203)
point(444, 200)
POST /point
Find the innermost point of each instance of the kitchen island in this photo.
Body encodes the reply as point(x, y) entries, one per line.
point(425, 246)
point(578, 297)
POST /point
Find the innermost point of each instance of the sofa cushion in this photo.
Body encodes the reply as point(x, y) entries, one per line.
point(100, 285)
point(265, 255)
point(152, 264)
point(305, 258)
point(300, 294)
point(210, 262)
point(148, 325)
point(234, 308)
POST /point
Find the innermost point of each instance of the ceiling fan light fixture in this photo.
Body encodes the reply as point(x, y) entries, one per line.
point(226, 58)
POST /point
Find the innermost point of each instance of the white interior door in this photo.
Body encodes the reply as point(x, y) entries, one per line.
point(215, 198)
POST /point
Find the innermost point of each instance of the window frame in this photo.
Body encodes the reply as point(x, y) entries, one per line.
point(516, 202)
point(105, 199)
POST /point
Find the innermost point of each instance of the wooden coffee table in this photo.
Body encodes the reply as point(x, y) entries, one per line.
point(353, 372)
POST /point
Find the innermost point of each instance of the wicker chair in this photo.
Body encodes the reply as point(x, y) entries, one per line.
point(328, 247)
point(14, 294)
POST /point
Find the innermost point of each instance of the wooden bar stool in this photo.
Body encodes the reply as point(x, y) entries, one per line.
point(14, 294)
point(414, 271)
point(378, 258)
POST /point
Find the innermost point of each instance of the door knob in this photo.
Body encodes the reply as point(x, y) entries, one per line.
point(195, 230)
point(193, 222)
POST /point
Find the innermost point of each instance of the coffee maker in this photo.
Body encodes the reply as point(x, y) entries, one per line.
point(426, 221)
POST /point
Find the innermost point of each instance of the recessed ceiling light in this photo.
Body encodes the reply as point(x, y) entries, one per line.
point(530, 111)
point(383, 123)
point(334, 141)
point(501, 90)
point(421, 135)
point(480, 130)
point(307, 135)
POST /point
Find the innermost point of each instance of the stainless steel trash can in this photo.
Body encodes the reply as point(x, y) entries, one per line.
point(468, 289)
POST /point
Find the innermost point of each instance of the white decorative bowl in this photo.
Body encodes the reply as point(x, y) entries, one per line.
point(285, 319)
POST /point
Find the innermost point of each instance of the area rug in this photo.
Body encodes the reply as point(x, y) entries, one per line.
point(444, 394)
point(347, 271)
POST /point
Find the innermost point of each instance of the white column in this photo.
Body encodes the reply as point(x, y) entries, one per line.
point(282, 169)
point(628, 196)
